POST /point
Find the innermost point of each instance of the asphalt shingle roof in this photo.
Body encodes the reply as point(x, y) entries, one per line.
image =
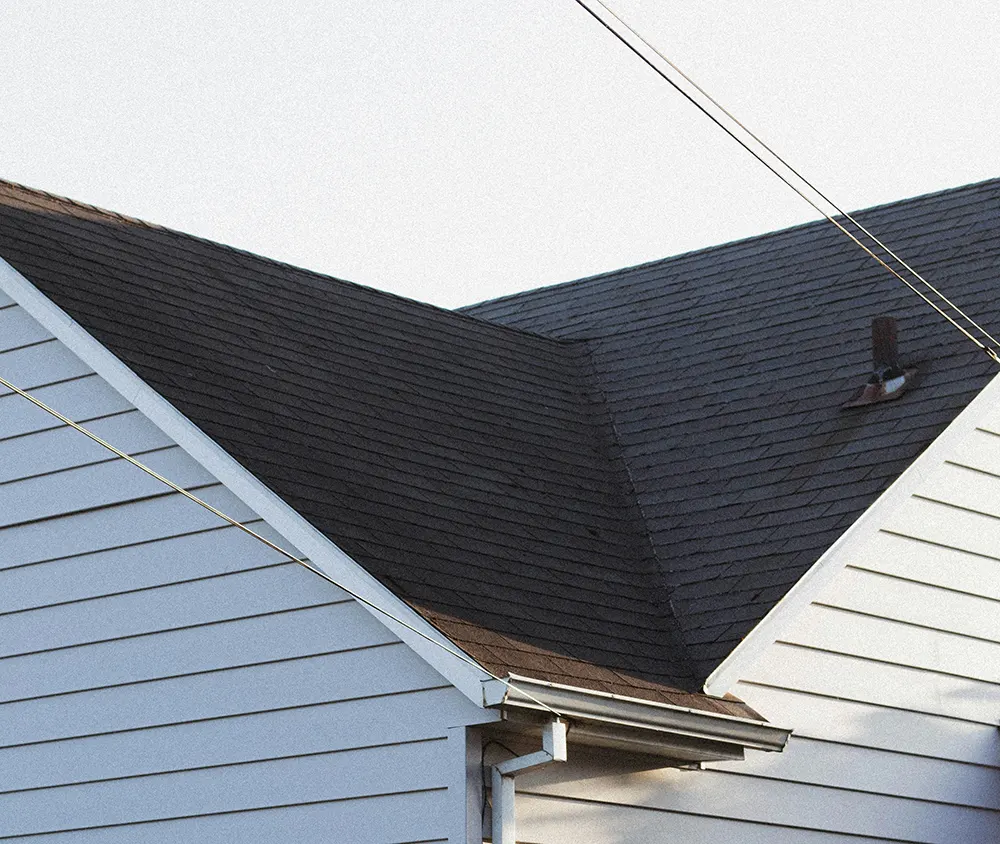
point(605, 483)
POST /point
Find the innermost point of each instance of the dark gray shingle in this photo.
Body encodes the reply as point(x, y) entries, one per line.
point(606, 483)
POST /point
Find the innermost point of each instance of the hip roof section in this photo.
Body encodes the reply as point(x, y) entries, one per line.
point(724, 371)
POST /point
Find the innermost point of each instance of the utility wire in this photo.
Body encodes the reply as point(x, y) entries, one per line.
point(275, 547)
point(799, 175)
point(992, 353)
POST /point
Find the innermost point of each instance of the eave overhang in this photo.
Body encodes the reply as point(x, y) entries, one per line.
point(607, 720)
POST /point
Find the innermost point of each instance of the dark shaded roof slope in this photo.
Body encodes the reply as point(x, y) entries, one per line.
point(724, 371)
point(467, 465)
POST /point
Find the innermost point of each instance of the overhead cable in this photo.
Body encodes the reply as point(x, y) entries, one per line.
point(263, 539)
point(993, 353)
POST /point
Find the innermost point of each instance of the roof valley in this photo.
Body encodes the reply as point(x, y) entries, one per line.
point(649, 571)
point(725, 371)
point(598, 483)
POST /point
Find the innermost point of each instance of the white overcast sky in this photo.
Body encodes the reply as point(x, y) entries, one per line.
point(456, 150)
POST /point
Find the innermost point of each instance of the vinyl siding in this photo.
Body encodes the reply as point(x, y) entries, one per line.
point(889, 677)
point(164, 677)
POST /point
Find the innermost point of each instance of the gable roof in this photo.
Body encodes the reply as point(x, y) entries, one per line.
point(724, 371)
point(468, 466)
point(606, 484)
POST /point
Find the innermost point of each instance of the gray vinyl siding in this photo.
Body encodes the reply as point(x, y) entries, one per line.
point(164, 677)
point(890, 679)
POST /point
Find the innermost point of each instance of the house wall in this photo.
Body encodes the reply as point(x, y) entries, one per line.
point(889, 675)
point(164, 677)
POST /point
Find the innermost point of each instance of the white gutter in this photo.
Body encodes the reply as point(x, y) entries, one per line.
point(615, 720)
point(553, 750)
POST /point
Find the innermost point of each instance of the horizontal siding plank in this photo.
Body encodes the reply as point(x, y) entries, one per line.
point(302, 632)
point(989, 421)
point(156, 563)
point(84, 398)
point(126, 524)
point(979, 450)
point(964, 487)
point(749, 798)
point(64, 448)
point(876, 771)
point(319, 679)
point(947, 526)
point(891, 641)
point(156, 665)
point(45, 363)
point(242, 738)
point(254, 592)
point(931, 563)
point(334, 776)
point(413, 816)
point(849, 677)
point(97, 485)
point(916, 603)
point(17, 328)
point(874, 726)
point(5, 300)
point(551, 820)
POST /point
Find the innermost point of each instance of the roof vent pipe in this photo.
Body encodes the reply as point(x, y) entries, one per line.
point(889, 379)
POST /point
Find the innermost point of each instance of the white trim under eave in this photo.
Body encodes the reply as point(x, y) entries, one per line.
point(283, 518)
point(836, 557)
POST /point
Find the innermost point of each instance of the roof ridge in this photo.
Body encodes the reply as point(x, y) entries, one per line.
point(729, 244)
point(275, 262)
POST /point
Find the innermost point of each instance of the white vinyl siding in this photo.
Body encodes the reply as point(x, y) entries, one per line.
point(163, 676)
point(794, 797)
point(607, 822)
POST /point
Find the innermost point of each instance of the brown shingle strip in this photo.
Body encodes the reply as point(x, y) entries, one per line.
point(504, 656)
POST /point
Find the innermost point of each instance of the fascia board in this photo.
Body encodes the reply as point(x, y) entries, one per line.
point(836, 557)
point(244, 485)
point(631, 714)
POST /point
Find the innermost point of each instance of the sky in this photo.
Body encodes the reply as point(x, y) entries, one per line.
point(457, 150)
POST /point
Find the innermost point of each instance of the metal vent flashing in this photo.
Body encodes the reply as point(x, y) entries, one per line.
point(889, 379)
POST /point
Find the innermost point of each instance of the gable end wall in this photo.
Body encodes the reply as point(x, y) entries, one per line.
point(164, 677)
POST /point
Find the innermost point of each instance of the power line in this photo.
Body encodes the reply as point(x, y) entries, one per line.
point(992, 353)
point(799, 175)
point(272, 545)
